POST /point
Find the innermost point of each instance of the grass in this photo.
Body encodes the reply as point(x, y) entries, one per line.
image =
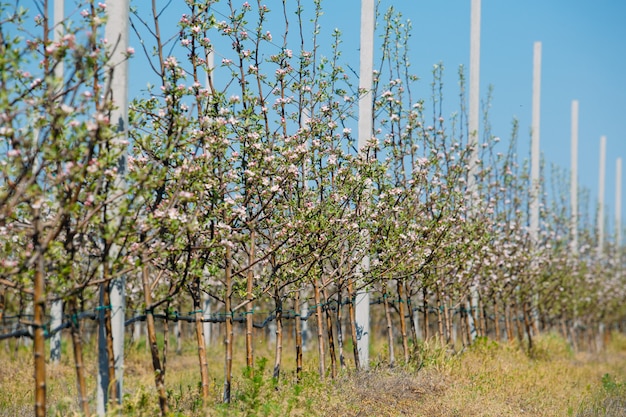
point(488, 379)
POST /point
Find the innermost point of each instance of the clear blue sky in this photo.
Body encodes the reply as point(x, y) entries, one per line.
point(584, 58)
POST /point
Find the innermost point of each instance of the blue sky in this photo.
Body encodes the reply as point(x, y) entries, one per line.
point(584, 57)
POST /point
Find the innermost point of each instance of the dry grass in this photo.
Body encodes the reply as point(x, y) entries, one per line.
point(487, 380)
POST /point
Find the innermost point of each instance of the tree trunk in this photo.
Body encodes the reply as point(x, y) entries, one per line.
point(204, 368)
point(320, 329)
point(528, 325)
point(159, 372)
point(279, 334)
point(507, 323)
point(79, 363)
point(426, 314)
point(331, 339)
point(440, 317)
point(518, 324)
point(447, 322)
point(463, 325)
point(392, 355)
point(352, 318)
point(229, 336)
point(113, 394)
point(478, 315)
point(496, 317)
point(405, 342)
point(296, 309)
point(409, 306)
point(342, 359)
point(39, 343)
point(484, 317)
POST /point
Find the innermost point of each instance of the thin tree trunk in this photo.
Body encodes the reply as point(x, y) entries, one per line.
point(159, 373)
point(2, 303)
point(518, 324)
point(204, 368)
point(409, 305)
point(331, 339)
point(228, 337)
point(479, 317)
point(447, 322)
point(79, 363)
point(440, 317)
point(496, 317)
point(298, 319)
point(113, 395)
point(352, 318)
point(279, 334)
point(166, 338)
point(405, 342)
point(484, 317)
point(39, 343)
point(563, 328)
point(463, 325)
point(507, 323)
point(392, 355)
point(342, 359)
point(426, 314)
point(320, 329)
point(528, 325)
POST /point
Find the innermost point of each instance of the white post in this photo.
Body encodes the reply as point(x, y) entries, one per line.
point(206, 314)
point(102, 378)
point(618, 203)
point(474, 87)
point(305, 326)
point(56, 311)
point(601, 195)
point(118, 317)
point(56, 319)
point(473, 125)
point(535, 180)
point(136, 331)
point(574, 178)
point(601, 184)
point(534, 157)
point(366, 68)
point(116, 32)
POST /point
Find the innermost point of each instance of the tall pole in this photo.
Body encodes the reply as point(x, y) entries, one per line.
point(116, 31)
point(534, 156)
point(601, 182)
point(534, 164)
point(473, 126)
point(56, 310)
point(474, 87)
point(574, 178)
point(366, 68)
point(618, 203)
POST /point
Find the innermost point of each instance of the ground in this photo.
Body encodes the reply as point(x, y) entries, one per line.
point(488, 379)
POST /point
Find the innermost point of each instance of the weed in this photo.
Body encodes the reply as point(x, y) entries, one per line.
point(610, 400)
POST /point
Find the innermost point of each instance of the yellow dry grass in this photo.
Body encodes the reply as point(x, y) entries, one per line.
point(488, 379)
